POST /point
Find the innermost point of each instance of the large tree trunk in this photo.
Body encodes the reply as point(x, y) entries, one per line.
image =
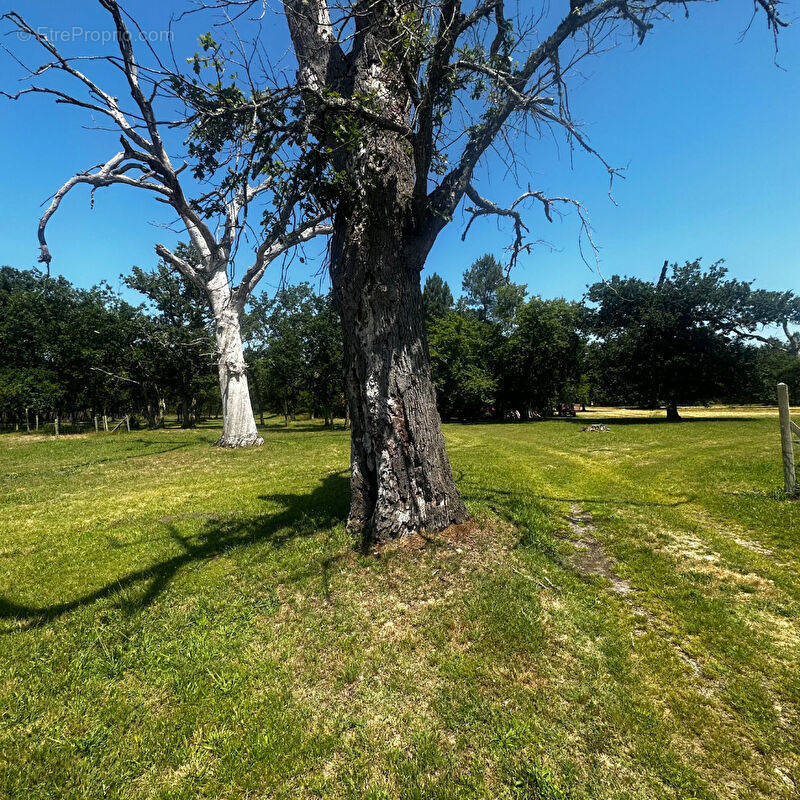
point(238, 422)
point(672, 413)
point(401, 481)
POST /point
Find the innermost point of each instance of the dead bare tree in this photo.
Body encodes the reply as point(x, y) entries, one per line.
point(215, 221)
point(406, 97)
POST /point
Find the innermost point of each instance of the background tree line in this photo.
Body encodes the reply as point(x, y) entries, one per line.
point(692, 336)
point(76, 353)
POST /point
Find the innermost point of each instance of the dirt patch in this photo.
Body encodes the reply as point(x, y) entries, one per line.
point(782, 631)
point(590, 558)
point(468, 536)
point(728, 528)
point(756, 548)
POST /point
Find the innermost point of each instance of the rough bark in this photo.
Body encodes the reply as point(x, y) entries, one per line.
point(401, 58)
point(672, 413)
point(401, 481)
point(238, 422)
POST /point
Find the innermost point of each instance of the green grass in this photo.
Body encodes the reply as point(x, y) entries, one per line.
point(178, 621)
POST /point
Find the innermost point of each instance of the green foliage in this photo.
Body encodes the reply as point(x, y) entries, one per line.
point(480, 284)
point(759, 369)
point(543, 359)
point(324, 365)
point(489, 293)
point(295, 351)
point(676, 341)
point(684, 340)
point(463, 351)
point(68, 350)
point(509, 299)
point(59, 343)
point(436, 297)
point(497, 354)
point(175, 359)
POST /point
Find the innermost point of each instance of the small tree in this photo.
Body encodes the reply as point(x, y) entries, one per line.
point(480, 285)
point(295, 340)
point(544, 358)
point(215, 219)
point(463, 364)
point(177, 343)
point(325, 368)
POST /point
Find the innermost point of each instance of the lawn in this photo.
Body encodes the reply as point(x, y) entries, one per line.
point(619, 621)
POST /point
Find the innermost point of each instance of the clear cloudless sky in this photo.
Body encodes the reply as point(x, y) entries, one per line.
point(707, 126)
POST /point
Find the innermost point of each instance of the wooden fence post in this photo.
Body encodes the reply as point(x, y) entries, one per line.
point(787, 446)
point(128, 422)
point(96, 426)
point(56, 425)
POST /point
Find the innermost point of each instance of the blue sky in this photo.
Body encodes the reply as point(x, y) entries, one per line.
point(707, 126)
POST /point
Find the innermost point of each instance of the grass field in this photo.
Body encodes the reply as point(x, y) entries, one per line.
point(620, 621)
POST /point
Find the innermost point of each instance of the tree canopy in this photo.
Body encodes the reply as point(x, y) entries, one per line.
point(674, 341)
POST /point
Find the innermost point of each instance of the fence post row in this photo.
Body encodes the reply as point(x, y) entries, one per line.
point(787, 445)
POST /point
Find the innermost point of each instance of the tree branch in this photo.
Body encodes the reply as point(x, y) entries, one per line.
point(484, 207)
point(113, 171)
point(516, 95)
point(269, 250)
point(190, 272)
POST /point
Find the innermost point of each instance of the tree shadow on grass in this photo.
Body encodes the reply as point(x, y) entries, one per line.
point(177, 445)
point(301, 427)
point(302, 516)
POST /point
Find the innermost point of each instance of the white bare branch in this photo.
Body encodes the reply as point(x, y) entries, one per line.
point(268, 251)
point(145, 163)
point(113, 171)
